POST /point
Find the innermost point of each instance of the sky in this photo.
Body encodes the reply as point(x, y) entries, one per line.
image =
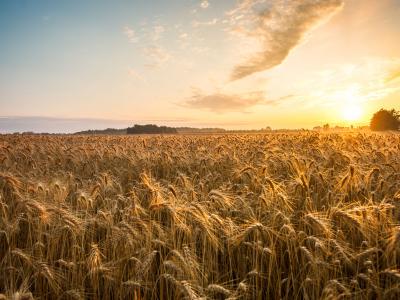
point(70, 65)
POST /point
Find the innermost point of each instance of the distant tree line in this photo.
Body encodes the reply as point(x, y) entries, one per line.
point(199, 130)
point(150, 129)
point(109, 131)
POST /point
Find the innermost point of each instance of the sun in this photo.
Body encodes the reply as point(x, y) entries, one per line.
point(351, 112)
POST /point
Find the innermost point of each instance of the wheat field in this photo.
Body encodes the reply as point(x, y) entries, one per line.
point(262, 216)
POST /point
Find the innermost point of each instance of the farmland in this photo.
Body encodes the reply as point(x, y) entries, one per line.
point(247, 216)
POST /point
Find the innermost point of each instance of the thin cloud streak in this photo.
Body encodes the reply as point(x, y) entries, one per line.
point(223, 102)
point(212, 22)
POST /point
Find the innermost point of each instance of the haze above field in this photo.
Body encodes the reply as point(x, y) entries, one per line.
point(232, 64)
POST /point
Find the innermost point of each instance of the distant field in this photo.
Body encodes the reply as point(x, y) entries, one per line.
point(292, 216)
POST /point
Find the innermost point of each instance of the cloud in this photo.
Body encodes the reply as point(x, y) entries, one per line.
point(130, 34)
point(207, 23)
point(204, 4)
point(158, 31)
point(393, 76)
point(222, 102)
point(134, 74)
point(279, 27)
point(200, 50)
point(157, 55)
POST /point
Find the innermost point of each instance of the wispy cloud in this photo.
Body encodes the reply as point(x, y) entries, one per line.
point(224, 102)
point(279, 26)
point(206, 23)
point(136, 75)
point(158, 31)
point(204, 4)
point(130, 34)
point(157, 55)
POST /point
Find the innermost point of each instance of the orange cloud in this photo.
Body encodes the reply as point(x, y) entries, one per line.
point(221, 102)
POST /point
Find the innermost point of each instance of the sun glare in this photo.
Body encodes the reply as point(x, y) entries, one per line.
point(351, 112)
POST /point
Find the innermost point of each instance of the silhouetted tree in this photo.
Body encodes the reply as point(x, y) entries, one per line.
point(385, 120)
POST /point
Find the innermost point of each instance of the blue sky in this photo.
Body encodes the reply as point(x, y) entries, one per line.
point(197, 63)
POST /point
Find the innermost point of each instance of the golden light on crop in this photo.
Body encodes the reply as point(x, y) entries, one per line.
point(108, 225)
point(351, 112)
